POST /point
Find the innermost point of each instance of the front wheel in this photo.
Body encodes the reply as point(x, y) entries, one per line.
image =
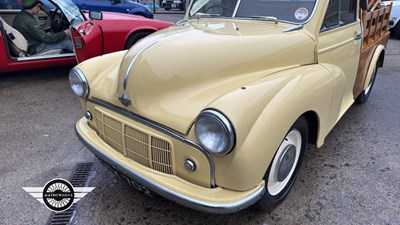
point(285, 166)
point(363, 97)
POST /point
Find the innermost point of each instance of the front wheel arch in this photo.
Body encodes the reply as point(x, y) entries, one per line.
point(273, 112)
point(290, 152)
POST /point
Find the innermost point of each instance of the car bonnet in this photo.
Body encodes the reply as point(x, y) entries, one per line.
point(170, 76)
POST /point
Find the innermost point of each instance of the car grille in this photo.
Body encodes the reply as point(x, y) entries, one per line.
point(144, 148)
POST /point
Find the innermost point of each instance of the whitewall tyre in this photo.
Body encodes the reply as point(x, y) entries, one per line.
point(285, 166)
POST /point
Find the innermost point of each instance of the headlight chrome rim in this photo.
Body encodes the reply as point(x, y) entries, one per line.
point(83, 82)
point(225, 124)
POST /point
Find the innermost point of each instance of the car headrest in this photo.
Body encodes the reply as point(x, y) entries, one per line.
point(15, 36)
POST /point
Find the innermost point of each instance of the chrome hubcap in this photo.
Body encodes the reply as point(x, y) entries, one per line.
point(285, 162)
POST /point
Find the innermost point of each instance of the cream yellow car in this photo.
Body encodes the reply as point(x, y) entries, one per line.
point(215, 113)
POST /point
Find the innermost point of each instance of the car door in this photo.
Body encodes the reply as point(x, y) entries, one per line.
point(88, 40)
point(339, 44)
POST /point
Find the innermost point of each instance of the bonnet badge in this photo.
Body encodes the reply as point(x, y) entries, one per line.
point(125, 99)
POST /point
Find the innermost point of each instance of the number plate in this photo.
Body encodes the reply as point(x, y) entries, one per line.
point(131, 182)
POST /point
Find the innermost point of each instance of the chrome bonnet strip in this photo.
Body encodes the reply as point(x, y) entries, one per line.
point(128, 71)
point(174, 196)
point(162, 129)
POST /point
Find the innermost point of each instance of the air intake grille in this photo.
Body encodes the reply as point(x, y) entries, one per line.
point(148, 150)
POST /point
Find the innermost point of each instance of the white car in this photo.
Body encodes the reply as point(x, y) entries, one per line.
point(394, 24)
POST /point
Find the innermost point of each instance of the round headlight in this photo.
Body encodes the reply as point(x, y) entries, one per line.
point(214, 132)
point(78, 82)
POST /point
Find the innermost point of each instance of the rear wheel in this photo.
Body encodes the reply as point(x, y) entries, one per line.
point(363, 97)
point(136, 37)
point(397, 30)
point(285, 166)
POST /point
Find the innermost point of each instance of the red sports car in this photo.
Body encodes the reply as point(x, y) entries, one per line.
point(93, 34)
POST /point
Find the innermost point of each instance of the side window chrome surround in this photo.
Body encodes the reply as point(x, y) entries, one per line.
point(340, 16)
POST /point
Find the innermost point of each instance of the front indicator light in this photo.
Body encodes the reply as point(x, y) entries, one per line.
point(78, 43)
point(190, 165)
point(88, 115)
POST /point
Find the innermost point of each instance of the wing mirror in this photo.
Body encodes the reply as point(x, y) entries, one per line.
point(95, 15)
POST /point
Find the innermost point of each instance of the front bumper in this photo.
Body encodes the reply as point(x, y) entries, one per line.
point(213, 200)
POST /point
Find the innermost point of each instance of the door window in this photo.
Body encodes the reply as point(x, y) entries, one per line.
point(339, 13)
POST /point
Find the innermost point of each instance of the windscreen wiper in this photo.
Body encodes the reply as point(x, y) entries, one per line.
point(267, 18)
point(206, 14)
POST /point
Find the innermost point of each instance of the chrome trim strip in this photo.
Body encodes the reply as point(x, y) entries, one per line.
point(290, 29)
point(236, 8)
point(29, 58)
point(313, 12)
point(181, 22)
point(9, 11)
point(162, 129)
point(133, 62)
point(171, 195)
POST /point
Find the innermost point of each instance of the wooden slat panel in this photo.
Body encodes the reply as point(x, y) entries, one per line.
point(375, 25)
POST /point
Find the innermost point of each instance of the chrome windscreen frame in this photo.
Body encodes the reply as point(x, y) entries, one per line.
point(242, 18)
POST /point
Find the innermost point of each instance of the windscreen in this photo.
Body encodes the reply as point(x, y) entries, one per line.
point(294, 11)
point(71, 11)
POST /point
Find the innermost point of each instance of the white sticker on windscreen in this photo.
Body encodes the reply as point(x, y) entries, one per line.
point(301, 13)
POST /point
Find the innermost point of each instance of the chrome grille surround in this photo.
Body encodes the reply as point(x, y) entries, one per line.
point(147, 149)
point(168, 132)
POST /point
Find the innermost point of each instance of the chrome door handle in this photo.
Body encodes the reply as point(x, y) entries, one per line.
point(357, 37)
